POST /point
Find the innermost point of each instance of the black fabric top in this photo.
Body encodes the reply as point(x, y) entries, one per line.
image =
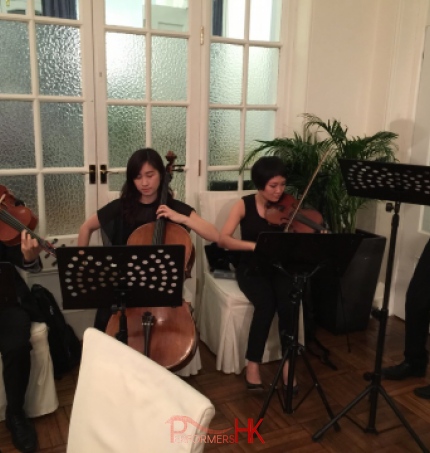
point(14, 255)
point(115, 230)
point(251, 225)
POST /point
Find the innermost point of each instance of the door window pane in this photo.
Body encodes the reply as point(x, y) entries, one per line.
point(169, 131)
point(65, 203)
point(116, 181)
point(226, 69)
point(126, 126)
point(169, 69)
point(223, 180)
point(169, 15)
point(262, 75)
point(14, 58)
point(260, 125)
point(23, 188)
point(64, 9)
point(62, 134)
point(128, 13)
point(126, 66)
point(16, 134)
point(224, 137)
point(59, 58)
point(228, 18)
point(265, 20)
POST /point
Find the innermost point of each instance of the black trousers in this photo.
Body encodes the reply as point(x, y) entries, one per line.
point(15, 350)
point(417, 309)
point(268, 291)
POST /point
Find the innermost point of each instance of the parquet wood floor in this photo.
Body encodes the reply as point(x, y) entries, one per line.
point(290, 432)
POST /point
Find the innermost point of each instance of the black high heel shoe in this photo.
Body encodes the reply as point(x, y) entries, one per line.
point(254, 387)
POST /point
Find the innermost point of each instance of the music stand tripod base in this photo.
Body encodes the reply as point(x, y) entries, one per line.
point(398, 183)
point(298, 256)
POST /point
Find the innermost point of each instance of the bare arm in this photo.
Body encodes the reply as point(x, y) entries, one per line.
point(87, 229)
point(194, 222)
point(226, 239)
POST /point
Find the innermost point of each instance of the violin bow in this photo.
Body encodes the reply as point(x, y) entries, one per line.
point(305, 192)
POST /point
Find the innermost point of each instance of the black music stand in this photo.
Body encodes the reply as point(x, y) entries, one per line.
point(8, 294)
point(299, 256)
point(121, 276)
point(394, 182)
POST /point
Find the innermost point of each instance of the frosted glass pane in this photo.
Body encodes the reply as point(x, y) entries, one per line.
point(14, 58)
point(53, 8)
point(265, 20)
point(128, 13)
point(59, 58)
point(228, 18)
point(127, 132)
point(116, 181)
point(224, 137)
point(260, 125)
point(65, 203)
point(23, 188)
point(178, 186)
point(62, 134)
point(126, 66)
point(16, 135)
point(169, 15)
point(169, 125)
point(262, 75)
point(226, 63)
point(169, 69)
point(223, 180)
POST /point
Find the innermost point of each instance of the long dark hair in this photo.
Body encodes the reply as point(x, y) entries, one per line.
point(130, 196)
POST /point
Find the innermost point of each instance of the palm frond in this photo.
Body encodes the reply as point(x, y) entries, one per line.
point(325, 141)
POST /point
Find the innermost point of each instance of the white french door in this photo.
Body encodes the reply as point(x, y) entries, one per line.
point(79, 93)
point(147, 86)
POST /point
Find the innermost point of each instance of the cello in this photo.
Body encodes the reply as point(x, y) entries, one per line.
point(167, 335)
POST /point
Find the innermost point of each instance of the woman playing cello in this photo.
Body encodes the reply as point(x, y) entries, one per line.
point(138, 205)
point(266, 288)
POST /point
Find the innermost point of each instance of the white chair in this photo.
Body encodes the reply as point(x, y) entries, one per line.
point(125, 402)
point(41, 396)
point(225, 314)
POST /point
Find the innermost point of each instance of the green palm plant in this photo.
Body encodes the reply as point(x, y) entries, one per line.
point(324, 143)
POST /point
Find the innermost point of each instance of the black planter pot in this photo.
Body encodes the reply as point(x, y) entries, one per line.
point(343, 304)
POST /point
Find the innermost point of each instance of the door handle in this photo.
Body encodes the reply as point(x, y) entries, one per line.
point(104, 172)
point(92, 173)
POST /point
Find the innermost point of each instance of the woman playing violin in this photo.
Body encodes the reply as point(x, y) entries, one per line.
point(266, 288)
point(138, 205)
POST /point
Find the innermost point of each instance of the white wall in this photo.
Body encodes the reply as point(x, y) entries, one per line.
point(357, 61)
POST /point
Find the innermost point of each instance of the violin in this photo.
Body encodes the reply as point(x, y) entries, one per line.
point(167, 335)
point(287, 213)
point(14, 218)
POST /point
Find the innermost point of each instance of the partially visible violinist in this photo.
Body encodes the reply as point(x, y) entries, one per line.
point(15, 347)
point(138, 205)
point(266, 288)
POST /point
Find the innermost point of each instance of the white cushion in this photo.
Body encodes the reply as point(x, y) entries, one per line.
point(124, 402)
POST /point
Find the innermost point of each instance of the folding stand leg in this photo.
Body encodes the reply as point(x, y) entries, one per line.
point(375, 387)
point(294, 349)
